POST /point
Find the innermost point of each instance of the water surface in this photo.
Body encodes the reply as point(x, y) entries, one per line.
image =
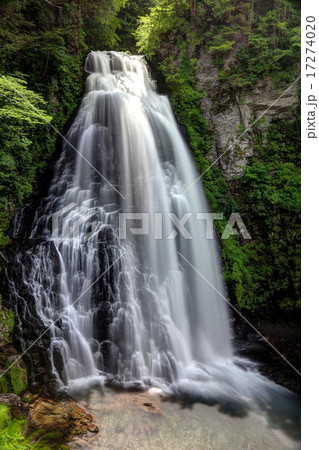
point(133, 420)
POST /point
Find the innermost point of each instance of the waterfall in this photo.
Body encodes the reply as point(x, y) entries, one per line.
point(126, 305)
point(136, 303)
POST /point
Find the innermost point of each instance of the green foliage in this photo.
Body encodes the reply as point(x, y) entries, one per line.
point(269, 44)
point(100, 22)
point(18, 378)
point(43, 47)
point(128, 23)
point(163, 17)
point(13, 434)
point(247, 41)
point(11, 431)
point(264, 273)
point(7, 324)
point(186, 99)
point(270, 196)
point(15, 380)
point(21, 120)
point(19, 104)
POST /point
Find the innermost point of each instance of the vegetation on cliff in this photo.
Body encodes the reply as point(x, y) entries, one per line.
point(245, 41)
point(43, 47)
point(12, 430)
point(21, 152)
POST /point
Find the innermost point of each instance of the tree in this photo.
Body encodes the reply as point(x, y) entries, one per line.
point(21, 118)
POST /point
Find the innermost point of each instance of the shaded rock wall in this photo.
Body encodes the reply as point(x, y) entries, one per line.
point(229, 113)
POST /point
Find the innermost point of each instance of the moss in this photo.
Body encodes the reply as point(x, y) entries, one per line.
point(14, 434)
point(4, 384)
point(11, 430)
point(6, 324)
point(18, 379)
point(15, 380)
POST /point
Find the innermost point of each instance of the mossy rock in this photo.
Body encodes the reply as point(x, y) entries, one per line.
point(18, 378)
point(6, 324)
point(15, 380)
point(4, 384)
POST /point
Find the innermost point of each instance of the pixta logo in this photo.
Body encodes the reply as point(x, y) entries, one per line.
point(70, 225)
point(153, 224)
point(73, 225)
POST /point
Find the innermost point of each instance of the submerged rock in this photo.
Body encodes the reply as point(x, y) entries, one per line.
point(142, 401)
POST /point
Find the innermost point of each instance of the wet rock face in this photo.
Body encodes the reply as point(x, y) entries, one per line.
point(230, 114)
point(64, 417)
point(27, 324)
point(285, 336)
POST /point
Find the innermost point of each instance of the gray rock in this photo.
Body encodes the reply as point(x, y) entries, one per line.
point(230, 114)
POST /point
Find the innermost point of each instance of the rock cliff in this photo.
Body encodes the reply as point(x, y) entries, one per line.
point(230, 113)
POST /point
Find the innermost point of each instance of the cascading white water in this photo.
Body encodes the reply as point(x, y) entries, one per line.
point(132, 307)
point(150, 315)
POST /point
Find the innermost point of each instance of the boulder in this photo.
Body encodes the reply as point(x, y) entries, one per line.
point(65, 417)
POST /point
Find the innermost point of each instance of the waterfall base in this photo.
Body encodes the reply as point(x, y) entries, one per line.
point(144, 421)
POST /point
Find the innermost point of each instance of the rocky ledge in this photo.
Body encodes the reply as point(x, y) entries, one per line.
point(277, 359)
point(65, 417)
point(51, 419)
